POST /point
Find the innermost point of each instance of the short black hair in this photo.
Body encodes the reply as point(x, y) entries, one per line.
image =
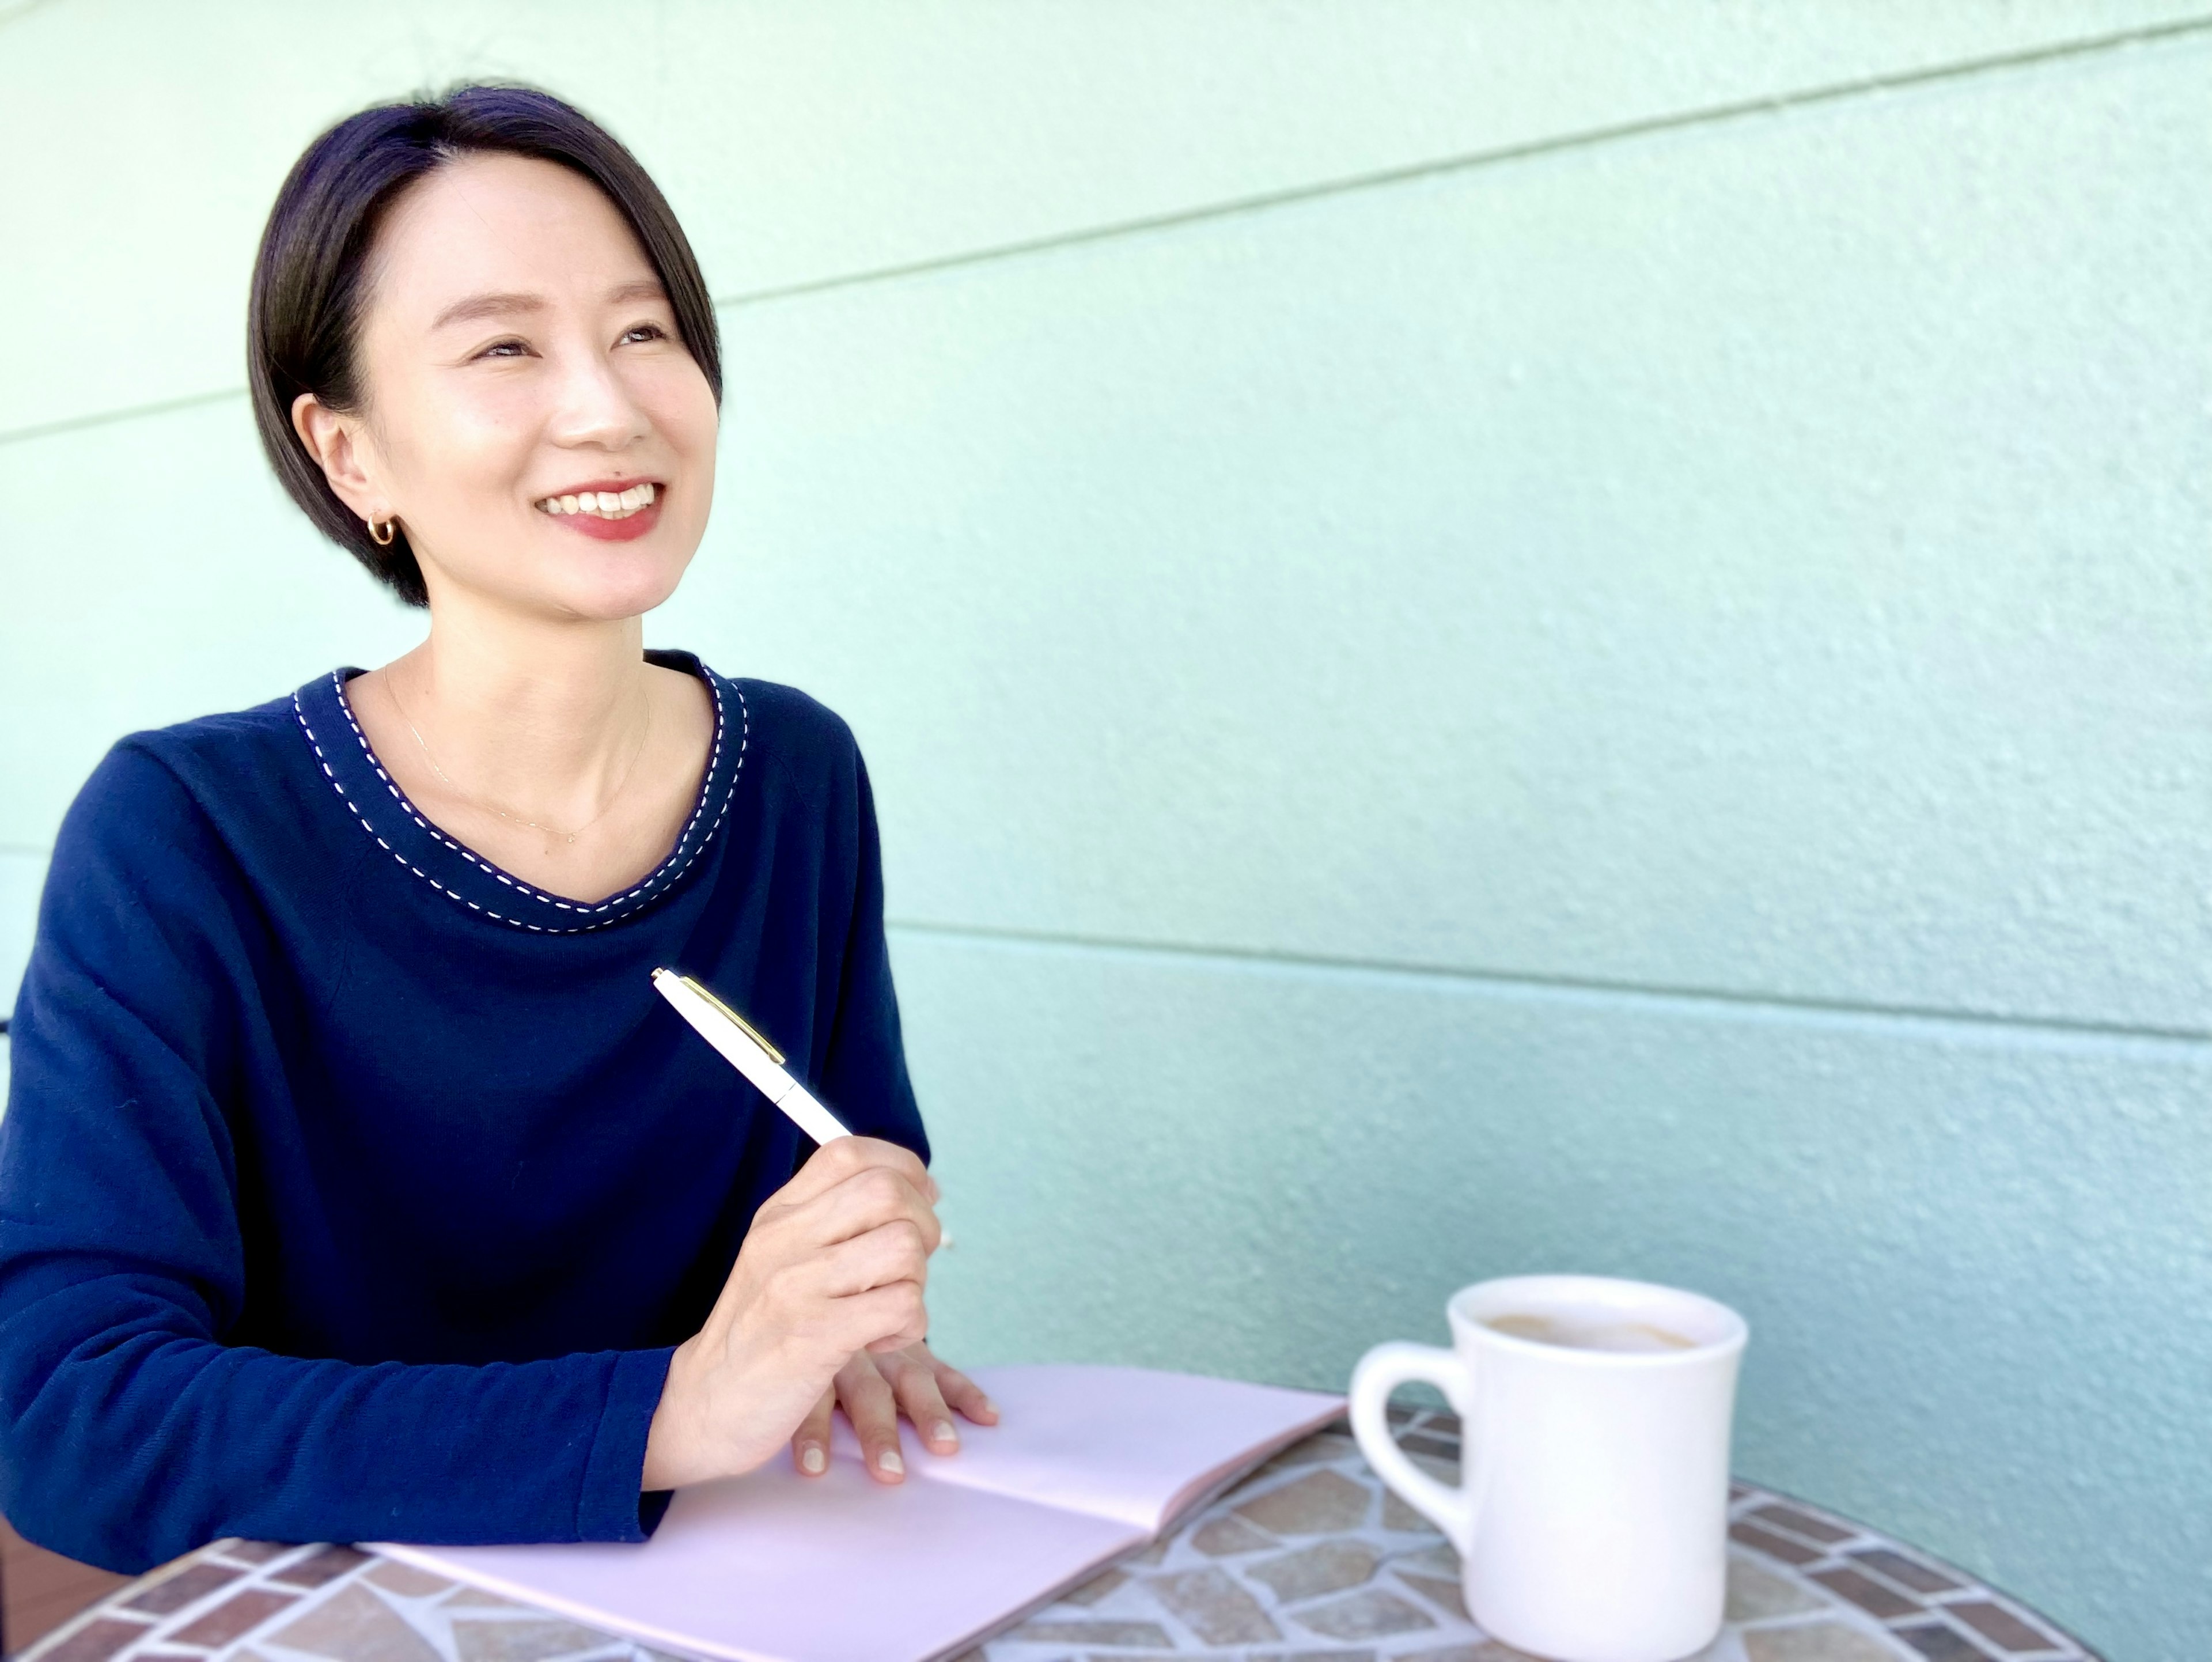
point(303, 318)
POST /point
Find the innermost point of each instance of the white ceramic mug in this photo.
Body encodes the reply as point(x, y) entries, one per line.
point(1591, 1514)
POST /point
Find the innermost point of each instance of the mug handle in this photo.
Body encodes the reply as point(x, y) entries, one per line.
point(1381, 1371)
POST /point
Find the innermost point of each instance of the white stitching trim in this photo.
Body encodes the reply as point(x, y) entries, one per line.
point(659, 878)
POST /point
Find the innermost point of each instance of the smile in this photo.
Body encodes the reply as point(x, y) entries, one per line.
point(602, 504)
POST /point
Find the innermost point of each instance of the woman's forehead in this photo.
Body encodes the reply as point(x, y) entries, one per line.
point(501, 224)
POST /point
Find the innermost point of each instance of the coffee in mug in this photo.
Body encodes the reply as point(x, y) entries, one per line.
point(1591, 1513)
point(1584, 1330)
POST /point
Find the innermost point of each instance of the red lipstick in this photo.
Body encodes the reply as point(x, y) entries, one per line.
point(627, 529)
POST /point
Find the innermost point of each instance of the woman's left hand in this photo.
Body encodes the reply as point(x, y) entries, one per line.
point(874, 1389)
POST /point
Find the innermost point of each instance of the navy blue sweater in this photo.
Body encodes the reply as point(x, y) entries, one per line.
point(353, 1189)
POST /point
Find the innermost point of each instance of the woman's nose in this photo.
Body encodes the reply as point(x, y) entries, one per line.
point(592, 406)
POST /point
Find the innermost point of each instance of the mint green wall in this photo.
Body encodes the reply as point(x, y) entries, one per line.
point(1493, 636)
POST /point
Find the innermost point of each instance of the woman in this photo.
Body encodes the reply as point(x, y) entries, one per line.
point(354, 1183)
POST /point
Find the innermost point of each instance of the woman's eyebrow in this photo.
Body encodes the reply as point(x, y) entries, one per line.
point(473, 307)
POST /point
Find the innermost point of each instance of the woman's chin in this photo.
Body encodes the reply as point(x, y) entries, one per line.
point(603, 597)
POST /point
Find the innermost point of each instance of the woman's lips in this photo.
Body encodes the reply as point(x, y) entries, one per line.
point(628, 529)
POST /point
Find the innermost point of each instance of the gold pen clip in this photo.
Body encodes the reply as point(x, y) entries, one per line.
point(743, 1026)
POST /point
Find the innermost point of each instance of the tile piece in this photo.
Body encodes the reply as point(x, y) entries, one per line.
point(234, 1617)
point(1431, 1560)
point(1368, 1615)
point(1319, 1503)
point(406, 1580)
point(1754, 1594)
point(1866, 1593)
point(1227, 1535)
point(1906, 1571)
point(1488, 1650)
point(1402, 1519)
point(1214, 1607)
point(524, 1641)
point(1940, 1643)
point(1328, 1566)
point(1816, 1641)
point(1995, 1623)
point(1801, 1522)
point(477, 1598)
point(1444, 1592)
point(1155, 1553)
point(97, 1640)
point(255, 1552)
point(1128, 1636)
point(1773, 1546)
point(1322, 1446)
point(355, 1625)
point(320, 1568)
point(1309, 1656)
point(1095, 1589)
point(187, 1587)
point(1420, 1442)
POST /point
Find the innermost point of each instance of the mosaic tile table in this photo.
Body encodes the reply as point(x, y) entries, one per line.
point(1310, 1560)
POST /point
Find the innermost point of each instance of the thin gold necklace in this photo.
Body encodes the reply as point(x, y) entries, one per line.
point(483, 806)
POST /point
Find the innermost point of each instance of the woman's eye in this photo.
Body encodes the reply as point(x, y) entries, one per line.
point(646, 330)
point(504, 349)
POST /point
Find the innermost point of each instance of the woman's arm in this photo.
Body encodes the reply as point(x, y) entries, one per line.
point(129, 1431)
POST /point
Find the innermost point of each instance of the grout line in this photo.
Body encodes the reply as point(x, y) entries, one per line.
point(1588, 139)
point(128, 412)
point(1769, 1003)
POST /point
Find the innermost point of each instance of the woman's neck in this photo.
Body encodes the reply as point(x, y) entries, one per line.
point(539, 719)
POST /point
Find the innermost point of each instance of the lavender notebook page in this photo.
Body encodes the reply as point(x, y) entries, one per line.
point(1089, 1463)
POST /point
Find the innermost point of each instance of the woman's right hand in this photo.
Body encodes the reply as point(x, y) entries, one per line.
point(835, 1263)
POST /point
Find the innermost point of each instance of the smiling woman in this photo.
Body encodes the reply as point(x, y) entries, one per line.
point(354, 1183)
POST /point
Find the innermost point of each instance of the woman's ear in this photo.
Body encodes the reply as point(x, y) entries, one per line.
point(333, 439)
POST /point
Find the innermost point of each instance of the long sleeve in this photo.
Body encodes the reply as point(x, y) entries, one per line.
point(129, 1430)
point(864, 1075)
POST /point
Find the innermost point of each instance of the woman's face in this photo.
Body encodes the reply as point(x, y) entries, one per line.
point(516, 352)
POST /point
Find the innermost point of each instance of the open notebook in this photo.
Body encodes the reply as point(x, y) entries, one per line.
point(1086, 1464)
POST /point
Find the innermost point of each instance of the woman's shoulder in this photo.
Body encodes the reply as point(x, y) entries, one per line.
point(234, 748)
point(790, 744)
point(152, 780)
point(776, 726)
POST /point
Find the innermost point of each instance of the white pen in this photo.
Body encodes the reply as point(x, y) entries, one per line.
point(746, 1050)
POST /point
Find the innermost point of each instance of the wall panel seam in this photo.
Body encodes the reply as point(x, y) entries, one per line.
point(2192, 1043)
point(1380, 179)
point(1471, 160)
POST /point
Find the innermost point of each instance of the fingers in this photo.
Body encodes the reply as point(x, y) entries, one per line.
point(964, 1394)
point(894, 1316)
point(873, 1195)
point(810, 1443)
point(872, 1406)
point(884, 1257)
point(914, 1384)
point(847, 1157)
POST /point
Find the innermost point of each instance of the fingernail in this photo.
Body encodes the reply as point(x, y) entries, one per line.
point(942, 1432)
point(811, 1458)
point(990, 1407)
point(889, 1461)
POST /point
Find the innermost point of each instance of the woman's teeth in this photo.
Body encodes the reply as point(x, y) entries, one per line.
point(607, 504)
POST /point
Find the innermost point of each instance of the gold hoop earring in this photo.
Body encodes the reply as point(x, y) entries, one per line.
point(390, 530)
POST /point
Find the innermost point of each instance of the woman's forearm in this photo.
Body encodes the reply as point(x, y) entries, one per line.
point(126, 1440)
